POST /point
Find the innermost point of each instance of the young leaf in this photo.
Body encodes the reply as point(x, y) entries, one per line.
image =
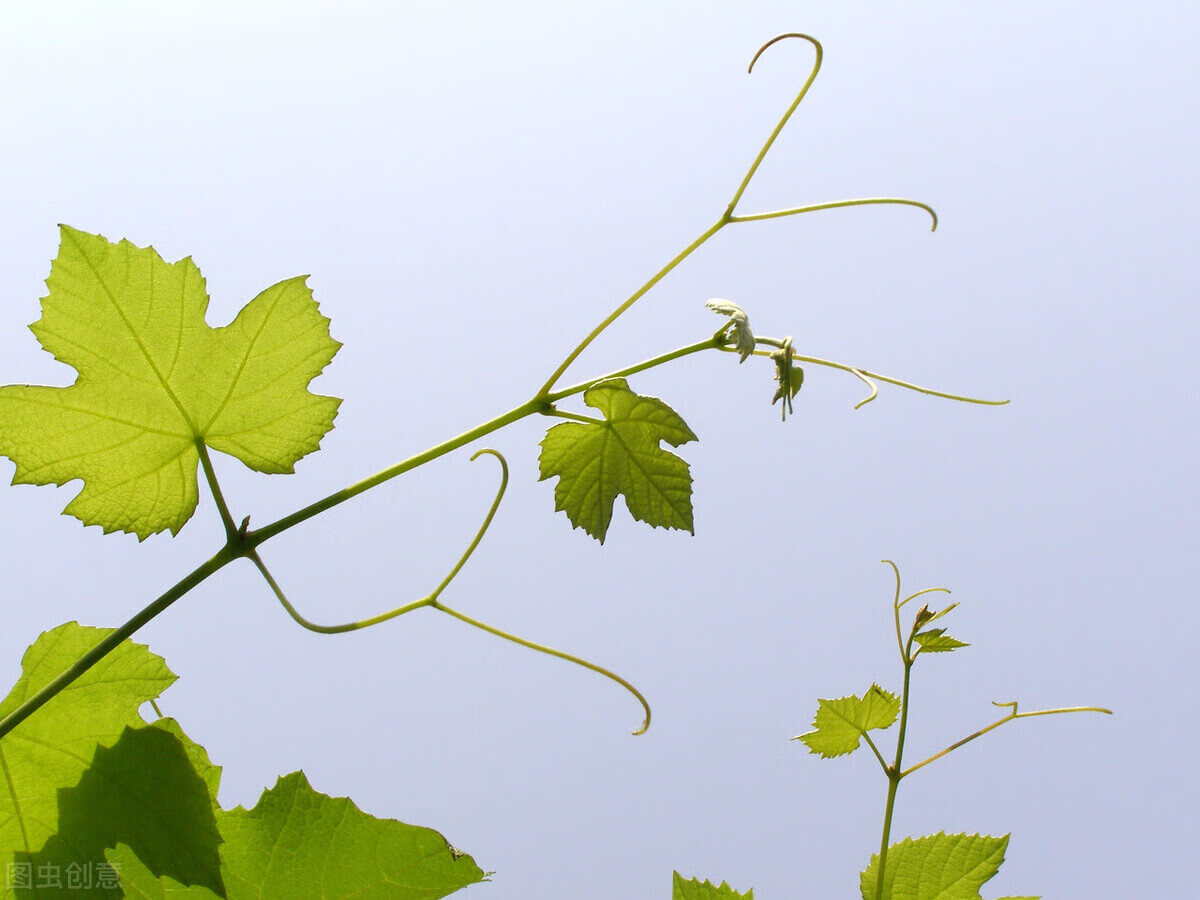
point(697, 890)
point(51, 750)
point(938, 867)
point(298, 843)
point(154, 380)
point(739, 325)
point(594, 462)
point(840, 724)
point(935, 640)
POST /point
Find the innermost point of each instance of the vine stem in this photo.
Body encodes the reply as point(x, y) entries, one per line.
point(633, 298)
point(894, 774)
point(242, 542)
point(111, 640)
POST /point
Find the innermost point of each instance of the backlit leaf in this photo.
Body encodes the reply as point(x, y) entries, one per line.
point(938, 867)
point(144, 792)
point(695, 889)
point(155, 380)
point(935, 640)
point(53, 748)
point(300, 844)
point(839, 724)
point(594, 462)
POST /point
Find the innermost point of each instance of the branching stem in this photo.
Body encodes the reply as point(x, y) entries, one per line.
point(242, 542)
point(895, 773)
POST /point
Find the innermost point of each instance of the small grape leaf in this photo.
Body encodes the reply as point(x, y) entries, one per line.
point(937, 867)
point(155, 380)
point(298, 843)
point(144, 792)
point(840, 724)
point(594, 462)
point(694, 889)
point(935, 640)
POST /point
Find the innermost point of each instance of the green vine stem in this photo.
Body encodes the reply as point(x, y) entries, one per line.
point(895, 773)
point(223, 557)
point(244, 542)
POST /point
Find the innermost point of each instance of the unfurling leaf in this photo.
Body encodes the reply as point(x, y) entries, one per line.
point(739, 325)
point(938, 867)
point(935, 640)
point(695, 889)
point(839, 724)
point(594, 462)
point(155, 380)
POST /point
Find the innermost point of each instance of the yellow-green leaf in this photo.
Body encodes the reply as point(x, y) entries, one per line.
point(155, 380)
point(695, 889)
point(840, 724)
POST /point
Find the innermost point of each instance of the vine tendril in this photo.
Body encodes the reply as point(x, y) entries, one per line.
point(432, 601)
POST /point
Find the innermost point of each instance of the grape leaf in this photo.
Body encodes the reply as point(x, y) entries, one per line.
point(53, 748)
point(697, 890)
point(155, 380)
point(596, 461)
point(298, 843)
point(935, 640)
point(840, 724)
point(937, 867)
point(144, 792)
point(90, 789)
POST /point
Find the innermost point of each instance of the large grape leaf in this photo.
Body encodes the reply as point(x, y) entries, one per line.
point(937, 867)
point(144, 792)
point(839, 724)
point(298, 843)
point(93, 799)
point(48, 755)
point(155, 380)
point(695, 889)
point(596, 461)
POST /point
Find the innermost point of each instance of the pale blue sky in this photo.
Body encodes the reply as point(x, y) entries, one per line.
point(471, 188)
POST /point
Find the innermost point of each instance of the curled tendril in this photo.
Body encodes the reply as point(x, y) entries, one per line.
point(783, 120)
point(429, 599)
point(432, 601)
point(865, 376)
point(869, 383)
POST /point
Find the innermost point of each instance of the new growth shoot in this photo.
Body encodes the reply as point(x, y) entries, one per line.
point(841, 724)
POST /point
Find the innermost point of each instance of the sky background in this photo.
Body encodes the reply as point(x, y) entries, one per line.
point(472, 187)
